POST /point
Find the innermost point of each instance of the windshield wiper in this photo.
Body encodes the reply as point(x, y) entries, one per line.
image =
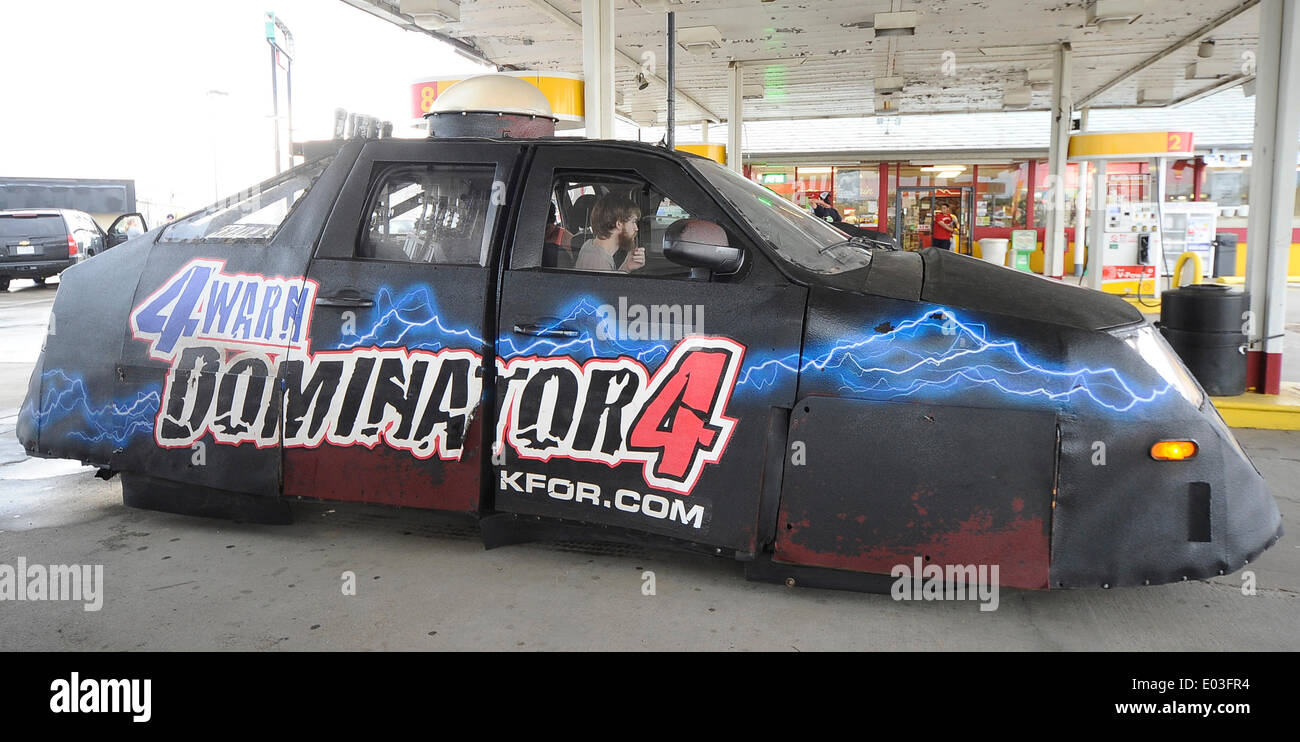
point(856, 241)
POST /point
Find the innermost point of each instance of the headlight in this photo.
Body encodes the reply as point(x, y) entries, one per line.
point(1151, 345)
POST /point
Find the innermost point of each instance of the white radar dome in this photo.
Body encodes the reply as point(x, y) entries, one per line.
point(493, 94)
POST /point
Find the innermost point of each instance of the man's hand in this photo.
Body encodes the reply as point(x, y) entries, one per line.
point(634, 260)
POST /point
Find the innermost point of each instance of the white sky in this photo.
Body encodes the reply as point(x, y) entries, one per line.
point(98, 89)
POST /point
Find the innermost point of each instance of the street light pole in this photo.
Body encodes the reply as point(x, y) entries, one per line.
point(275, 107)
point(273, 23)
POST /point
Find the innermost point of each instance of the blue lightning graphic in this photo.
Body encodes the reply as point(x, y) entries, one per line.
point(581, 316)
point(938, 353)
point(411, 319)
point(63, 395)
point(932, 355)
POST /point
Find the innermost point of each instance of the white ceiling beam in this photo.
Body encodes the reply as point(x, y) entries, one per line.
point(565, 19)
point(391, 12)
point(1184, 41)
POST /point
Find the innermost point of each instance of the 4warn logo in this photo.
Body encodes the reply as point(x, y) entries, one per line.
point(203, 305)
point(612, 411)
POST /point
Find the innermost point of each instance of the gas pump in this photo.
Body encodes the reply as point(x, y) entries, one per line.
point(1124, 230)
point(1131, 247)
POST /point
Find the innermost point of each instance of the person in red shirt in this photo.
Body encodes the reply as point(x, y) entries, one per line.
point(944, 225)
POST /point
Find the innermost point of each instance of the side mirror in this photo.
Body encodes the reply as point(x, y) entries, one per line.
point(697, 243)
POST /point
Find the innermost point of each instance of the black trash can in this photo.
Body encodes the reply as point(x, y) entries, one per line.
point(1225, 254)
point(1204, 325)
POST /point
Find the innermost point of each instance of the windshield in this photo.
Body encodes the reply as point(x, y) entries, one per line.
point(253, 215)
point(797, 236)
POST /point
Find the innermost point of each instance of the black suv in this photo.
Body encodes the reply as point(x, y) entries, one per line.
point(39, 243)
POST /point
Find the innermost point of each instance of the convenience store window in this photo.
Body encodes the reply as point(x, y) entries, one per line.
point(812, 179)
point(1129, 182)
point(1180, 180)
point(1227, 184)
point(778, 178)
point(912, 175)
point(1044, 198)
point(857, 195)
point(1001, 195)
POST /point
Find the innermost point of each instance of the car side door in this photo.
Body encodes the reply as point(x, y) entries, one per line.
point(385, 406)
point(640, 400)
point(87, 234)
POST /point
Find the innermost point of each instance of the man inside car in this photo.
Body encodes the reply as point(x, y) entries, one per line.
point(614, 229)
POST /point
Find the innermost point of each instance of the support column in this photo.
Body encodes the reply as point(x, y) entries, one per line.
point(1097, 226)
point(1272, 189)
point(598, 67)
point(1081, 216)
point(735, 116)
point(1156, 253)
point(1054, 237)
point(882, 218)
point(704, 132)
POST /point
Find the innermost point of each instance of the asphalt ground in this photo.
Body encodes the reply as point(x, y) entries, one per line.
point(425, 582)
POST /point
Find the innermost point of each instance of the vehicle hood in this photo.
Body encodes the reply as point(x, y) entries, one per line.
point(942, 277)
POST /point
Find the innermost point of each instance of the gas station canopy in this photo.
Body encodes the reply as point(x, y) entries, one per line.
point(848, 58)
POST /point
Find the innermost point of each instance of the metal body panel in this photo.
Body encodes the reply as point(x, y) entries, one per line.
point(1119, 517)
point(887, 482)
point(420, 339)
point(678, 450)
point(71, 410)
point(398, 348)
point(554, 432)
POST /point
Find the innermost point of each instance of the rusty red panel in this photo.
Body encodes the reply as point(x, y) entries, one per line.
point(386, 476)
point(1020, 547)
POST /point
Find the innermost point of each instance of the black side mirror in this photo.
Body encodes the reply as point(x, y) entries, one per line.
point(697, 243)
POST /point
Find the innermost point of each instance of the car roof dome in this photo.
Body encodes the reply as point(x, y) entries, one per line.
point(498, 94)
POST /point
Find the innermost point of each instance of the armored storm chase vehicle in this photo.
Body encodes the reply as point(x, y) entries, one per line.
point(621, 342)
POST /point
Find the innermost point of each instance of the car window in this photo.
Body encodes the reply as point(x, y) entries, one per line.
point(131, 226)
point(26, 226)
point(610, 223)
point(429, 213)
point(254, 215)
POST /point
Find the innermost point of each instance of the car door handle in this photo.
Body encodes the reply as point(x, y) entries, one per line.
point(544, 330)
point(345, 300)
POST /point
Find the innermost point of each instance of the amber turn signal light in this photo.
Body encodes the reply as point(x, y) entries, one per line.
point(1173, 450)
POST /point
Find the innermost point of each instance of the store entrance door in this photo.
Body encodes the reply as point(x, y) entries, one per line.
point(914, 208)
